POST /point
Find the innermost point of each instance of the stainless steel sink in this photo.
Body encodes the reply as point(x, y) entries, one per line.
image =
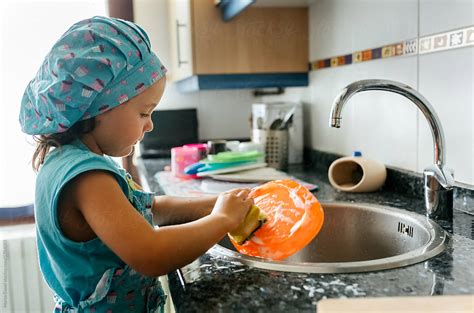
point(357, 238)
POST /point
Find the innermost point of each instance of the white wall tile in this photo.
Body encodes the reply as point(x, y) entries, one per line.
point(384, 123)
point(380, 124)
point(225, 113)
point(173, 99)
point(325, 86)
point(343, 26)
point(442, 15)
point(221, 113)
point(446, 80)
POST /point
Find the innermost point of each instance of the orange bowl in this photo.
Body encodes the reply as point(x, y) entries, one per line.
point(294, 218)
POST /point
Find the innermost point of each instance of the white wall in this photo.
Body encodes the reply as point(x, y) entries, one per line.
point(221, 113)
point(447, 80)
point(386, 126)
point(27, 33)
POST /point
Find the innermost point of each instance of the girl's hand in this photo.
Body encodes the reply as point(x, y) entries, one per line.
point(233, 205)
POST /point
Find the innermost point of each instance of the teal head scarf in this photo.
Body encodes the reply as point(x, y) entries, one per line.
point(98, 64)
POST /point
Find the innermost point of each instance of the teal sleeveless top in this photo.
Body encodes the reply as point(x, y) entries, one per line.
point(88, 276)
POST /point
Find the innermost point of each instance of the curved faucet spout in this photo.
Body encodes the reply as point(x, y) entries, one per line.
point(437, 179)
point(401, 89)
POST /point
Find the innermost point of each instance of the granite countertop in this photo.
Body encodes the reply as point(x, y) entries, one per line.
point(213, 283)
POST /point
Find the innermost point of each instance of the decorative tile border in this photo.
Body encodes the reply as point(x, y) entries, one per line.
point(432, 43)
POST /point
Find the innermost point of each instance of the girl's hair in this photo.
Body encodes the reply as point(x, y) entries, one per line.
point(45, 142)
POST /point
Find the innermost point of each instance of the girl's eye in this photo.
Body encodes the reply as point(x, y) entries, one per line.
point(145, 115)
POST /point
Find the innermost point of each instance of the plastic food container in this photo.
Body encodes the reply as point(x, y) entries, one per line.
point(202, 148)
point(182, 157)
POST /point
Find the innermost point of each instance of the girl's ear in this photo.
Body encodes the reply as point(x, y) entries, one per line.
point(98, 118)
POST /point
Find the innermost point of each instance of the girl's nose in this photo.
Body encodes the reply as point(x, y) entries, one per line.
point(148, 126)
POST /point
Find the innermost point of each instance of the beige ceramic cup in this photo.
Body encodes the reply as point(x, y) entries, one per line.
point(357, 174)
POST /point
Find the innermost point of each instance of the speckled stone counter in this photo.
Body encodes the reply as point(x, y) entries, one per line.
point(215, 284)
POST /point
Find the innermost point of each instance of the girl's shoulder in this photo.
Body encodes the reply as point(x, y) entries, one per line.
point(66, 162)
point(73, 152)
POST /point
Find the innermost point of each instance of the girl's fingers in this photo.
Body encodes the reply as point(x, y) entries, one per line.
point(249, 201)
point(244, 192)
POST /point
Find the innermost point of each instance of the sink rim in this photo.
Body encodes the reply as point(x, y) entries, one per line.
point(436, 245)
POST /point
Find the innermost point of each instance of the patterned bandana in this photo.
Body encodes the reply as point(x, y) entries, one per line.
point(95, 66)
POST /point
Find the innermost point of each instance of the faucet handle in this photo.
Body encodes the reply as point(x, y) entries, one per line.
point(437, 177)
point(439, 193)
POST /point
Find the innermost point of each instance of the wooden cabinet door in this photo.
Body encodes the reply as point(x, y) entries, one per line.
point(181, 46)
point(258, 40)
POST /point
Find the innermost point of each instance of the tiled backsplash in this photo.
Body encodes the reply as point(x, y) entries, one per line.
point(454, 39)
point(417, 43)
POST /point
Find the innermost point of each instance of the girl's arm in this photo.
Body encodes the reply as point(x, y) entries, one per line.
point(168, 210)
point(153, 252)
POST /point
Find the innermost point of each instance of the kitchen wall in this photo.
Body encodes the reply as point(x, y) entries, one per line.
point(384, 126)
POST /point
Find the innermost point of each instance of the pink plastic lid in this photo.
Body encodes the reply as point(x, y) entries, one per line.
point(199, 146)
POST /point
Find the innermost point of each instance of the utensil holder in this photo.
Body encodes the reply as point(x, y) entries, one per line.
point(276, 146)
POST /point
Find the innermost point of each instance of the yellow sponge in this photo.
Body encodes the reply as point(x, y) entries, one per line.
point(253, 221)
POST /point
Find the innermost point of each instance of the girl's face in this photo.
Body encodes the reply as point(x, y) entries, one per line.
point(118, 130)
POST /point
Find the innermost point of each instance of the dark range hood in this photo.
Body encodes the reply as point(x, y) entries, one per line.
point(231, 8)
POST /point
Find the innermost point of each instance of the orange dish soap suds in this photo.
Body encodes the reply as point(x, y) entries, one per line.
point(293, 218)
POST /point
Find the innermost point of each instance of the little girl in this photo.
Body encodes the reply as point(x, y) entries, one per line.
point(91, 100)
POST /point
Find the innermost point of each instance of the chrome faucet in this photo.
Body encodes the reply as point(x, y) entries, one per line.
point(438, 181)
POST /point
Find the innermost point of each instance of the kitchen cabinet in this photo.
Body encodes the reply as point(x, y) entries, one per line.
point(261, 47)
